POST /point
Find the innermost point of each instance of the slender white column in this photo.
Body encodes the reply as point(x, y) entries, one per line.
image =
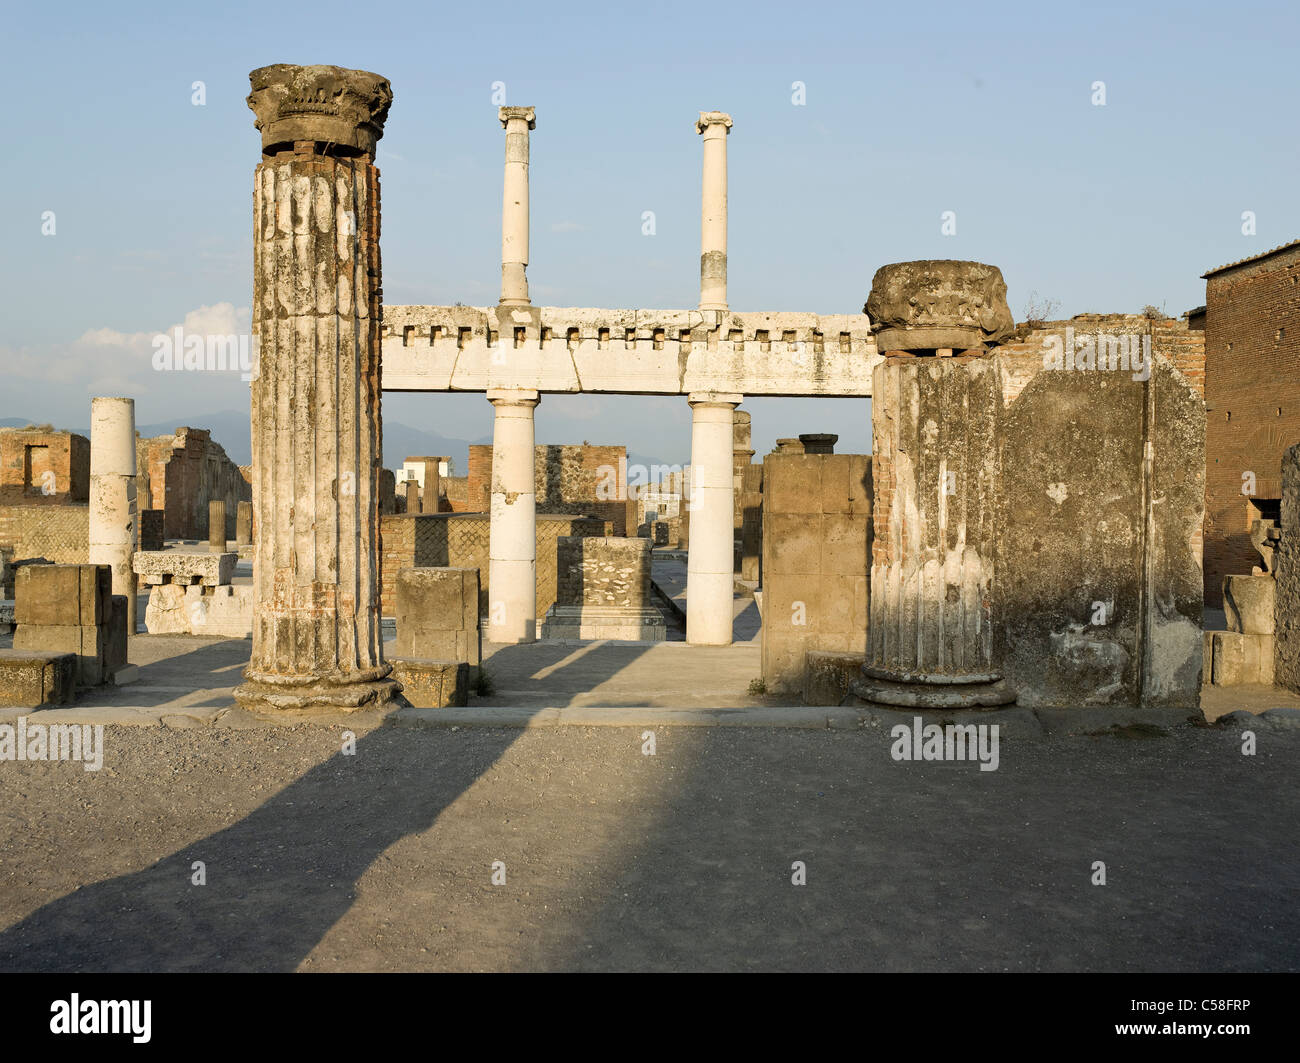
point(709, 580)
point(113, 507)
point(514, 206)
point(512, 540)
point(714, 126)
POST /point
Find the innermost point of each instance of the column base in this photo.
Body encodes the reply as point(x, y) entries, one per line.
point(983, 693)
point(317, 696)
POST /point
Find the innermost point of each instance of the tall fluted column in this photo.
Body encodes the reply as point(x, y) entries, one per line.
point(512, 536)
point(710, 584)
point(930, 638)
point(113, 506)
point(514, 206)
point(714, 126)
point(316, 427)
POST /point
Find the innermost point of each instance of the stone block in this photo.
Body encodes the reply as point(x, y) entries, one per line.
point(438, 614)
point(827, 676)
point(36, 679)
point(620, 623)
point(6, 616)
point(152, 536)
point(225, 611)
point(1238, 658)
point(429, 684)
point(63, 595)
point(1248, 603)
point(89, 644)
point(116, 648)
point(184, 567)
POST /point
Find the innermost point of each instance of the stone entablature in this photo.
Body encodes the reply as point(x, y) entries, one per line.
point(663, 352)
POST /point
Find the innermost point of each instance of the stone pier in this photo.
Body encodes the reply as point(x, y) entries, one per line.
point(316, 431)
point(113, 503)
point(714, 126)
point(935, 414)
point(710, 582)
point(514, 206)
point(217, 525)
point(512, 541)
point(244, 524)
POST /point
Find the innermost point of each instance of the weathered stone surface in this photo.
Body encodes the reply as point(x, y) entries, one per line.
point(36, 679)
point(438, 615)
point(938, 303)
point(930, 641)
point(217, 525)
point(1248, 603)
point(62, 595)
point(603, 591)
point(151, 529)
point(184, 567)
point(818, 442)
point(317, 306)
point(816, 514)
point(244, 523)
point(1264, 536)
point(1286, 605)
point(326, 104)
point(1099, 572)
point(828, 676)
point(115, 650)
point(89, 644)
point(430, 684)
point(1237, 658)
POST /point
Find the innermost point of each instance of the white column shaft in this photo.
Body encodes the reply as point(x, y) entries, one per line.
point(709, 580)
point(113, 504)
point(512, 540)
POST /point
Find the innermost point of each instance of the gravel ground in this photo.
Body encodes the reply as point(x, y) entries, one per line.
point(615, 860)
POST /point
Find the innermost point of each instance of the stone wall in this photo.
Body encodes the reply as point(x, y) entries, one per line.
point(816, 543)
point(40, 467)
point(566, 479)
point(1098, 570)
point(453, 540)
point(181, 473)
point(58, 533)
point(1286, 604)
point(1252, 354)
point(611, 571)
point(456, 492)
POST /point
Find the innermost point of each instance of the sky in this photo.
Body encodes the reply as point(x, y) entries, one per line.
point(986, 110)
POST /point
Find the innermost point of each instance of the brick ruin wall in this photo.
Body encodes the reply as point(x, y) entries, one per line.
point(185, 471)
point(567, 477)
point(448, 540)
point(1252, 356)
point(43, 468)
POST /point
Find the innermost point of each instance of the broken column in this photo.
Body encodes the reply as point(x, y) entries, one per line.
point(217, 525)
point(930, 636)
point(113, 513)
point(512, 539)
point(709, 565)
point(244, 524)
point(316, 431)
point(412, 489)
point(514, 207)
point(714, 126)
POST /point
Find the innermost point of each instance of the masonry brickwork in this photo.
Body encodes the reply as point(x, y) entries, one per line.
point(181, 473)
point(1252, 356)
point(567, 478)
point(43, 468)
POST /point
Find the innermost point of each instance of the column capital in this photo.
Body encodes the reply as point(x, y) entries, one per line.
point(332, 106)
point(513, 397)
point(711, 118)
point(715, 398)
point(528, 114)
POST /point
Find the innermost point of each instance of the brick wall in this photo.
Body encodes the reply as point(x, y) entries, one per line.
point(59, 533)
point(43, 467)
point(1252, 356)
point(566, 479)
point(452, 540)
point(185, 471)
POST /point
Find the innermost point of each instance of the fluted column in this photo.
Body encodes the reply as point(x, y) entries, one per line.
point(713, 126)
point(710, 582)
point(316, 428)
point(514, 206)
point(114, 514)
point(930, 637)
point(512, 535)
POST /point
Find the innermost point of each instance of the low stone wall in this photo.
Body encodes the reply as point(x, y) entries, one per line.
point(60, 533)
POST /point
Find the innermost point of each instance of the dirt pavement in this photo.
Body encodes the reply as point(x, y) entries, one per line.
point(382, 860)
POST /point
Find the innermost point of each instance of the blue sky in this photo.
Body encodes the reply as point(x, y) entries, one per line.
point(912, 110)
